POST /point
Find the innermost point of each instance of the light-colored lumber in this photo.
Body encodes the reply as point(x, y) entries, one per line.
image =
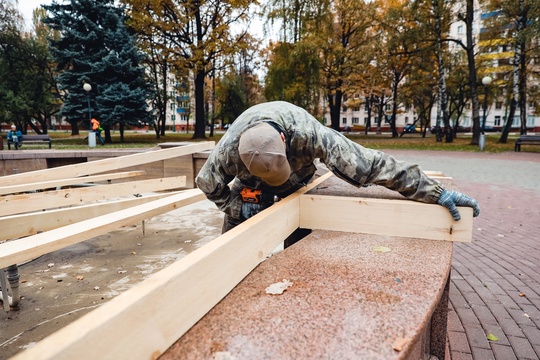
point(404, 218)
point(99, 166)
point(12, 189)
point(17, 251)
point(16, 226)
point(16, 204)
point(144, 321)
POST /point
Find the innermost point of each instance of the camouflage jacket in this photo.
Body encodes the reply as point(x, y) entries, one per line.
point(307, 139)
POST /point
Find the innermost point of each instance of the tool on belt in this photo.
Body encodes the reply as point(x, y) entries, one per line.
point(257, 196)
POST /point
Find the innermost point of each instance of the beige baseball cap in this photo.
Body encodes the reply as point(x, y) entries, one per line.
point(263, 151)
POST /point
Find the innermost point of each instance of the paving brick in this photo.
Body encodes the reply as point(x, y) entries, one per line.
point(484, 315)
point(467, 317)
point(482, 354)
point(498, 310)
point(453, 322)
point(460, 356)
point(532, 333)
point(503, 352)
point(520, 317)
point(463, 286)
point(510, 327)
point(473, 299)
point(498, 332)
point(522, 348)
point(458, 342)
point(477, 337)
point(508, 302)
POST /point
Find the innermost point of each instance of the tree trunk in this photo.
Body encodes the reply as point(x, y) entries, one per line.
point(200, 123)
point(334, 103)
point(473, 81)
point(394, 105)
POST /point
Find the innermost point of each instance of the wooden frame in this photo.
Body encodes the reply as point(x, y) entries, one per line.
point(144, 321)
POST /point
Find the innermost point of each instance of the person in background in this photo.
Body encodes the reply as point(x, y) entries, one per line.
point(96, 127)
point(15, 136)
point(270, 149)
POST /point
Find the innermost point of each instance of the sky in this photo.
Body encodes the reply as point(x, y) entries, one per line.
point(26, 7)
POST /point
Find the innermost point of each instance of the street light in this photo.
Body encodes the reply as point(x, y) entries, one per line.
point(91, 135)
point(486, 81)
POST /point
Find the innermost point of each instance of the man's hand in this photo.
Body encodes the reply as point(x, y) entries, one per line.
point(452, 199)
point(250, 209)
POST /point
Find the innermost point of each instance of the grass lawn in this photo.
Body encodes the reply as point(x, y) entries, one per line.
point(64, 140)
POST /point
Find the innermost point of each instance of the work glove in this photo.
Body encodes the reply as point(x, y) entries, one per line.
point(452, 199)
point(250, 209)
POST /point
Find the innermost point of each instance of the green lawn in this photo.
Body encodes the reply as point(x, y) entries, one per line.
point(64, 140)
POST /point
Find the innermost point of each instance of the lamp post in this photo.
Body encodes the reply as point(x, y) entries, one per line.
point(91, 135)
point(486, 80)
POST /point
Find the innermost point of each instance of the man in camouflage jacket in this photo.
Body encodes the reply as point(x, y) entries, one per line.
point(304, 139)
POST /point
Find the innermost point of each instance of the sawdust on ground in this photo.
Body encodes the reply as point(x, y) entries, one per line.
point(60, 287)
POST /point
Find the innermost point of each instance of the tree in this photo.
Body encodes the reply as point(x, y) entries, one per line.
point(96, 47)
point(195, 33)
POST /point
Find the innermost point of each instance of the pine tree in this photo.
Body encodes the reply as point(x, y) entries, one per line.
point(96, 47)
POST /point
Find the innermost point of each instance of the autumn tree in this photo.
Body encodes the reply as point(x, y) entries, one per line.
point(193, 34)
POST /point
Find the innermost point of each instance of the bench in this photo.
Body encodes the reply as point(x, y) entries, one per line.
point(33, 139)
point(526, 140)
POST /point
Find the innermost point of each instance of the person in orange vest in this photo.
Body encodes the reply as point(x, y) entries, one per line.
point(96, 128)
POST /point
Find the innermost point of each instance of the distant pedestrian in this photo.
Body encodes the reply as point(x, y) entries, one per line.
point(97, 129)
point(15, 136)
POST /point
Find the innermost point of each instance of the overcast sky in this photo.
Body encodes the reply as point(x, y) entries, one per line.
point(26, 7)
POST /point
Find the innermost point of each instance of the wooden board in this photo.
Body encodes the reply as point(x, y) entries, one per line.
point(144, 321)
point(404, 218)
point(18, 251)
point(12, 189)
point(16, 204)
point(16, 226)
point(99, 166)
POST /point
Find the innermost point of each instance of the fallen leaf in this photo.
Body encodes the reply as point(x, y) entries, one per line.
point(522, 295)
point(122, 271)
point(278, 288)
point(527, 315)
point(96, 287)
point(133, 253)
point(400, 343)
point(50, 265)
point(492, 337)
point(80, 277)
point(382, 249)
point(500, 235)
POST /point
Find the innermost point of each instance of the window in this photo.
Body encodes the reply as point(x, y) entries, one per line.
point(365, 120)
point(531, 105)
point(498, 105)
point(365, 109)
point(356, 108)
point(387, 107)
point(497, 121)
point(460, 29)
point(530, 121)
point(344, 109)
point(173, 117)
point(344, 120)
point(355, 120)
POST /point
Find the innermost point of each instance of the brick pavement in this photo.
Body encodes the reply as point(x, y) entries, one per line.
point(495, 280)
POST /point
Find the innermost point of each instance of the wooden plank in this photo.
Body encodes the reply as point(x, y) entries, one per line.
point(12, 189)
point(144, 321)
point(16, 226)
point(99, 166)
point(17, 251)
point(16, 204)
point(384, 217)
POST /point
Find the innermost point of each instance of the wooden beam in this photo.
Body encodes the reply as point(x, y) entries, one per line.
point(16, 204)
point(99, 166)
point(384, 217)
point(17, 251)
point(144, 321)
point(16, 226)
point(12, 189)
